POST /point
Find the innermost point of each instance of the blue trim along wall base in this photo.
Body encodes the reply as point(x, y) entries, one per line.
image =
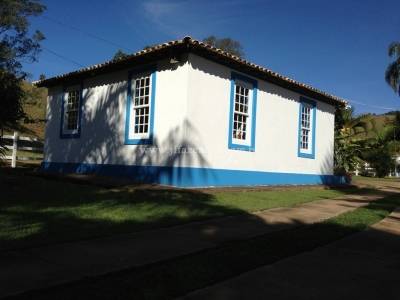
point(192, 177)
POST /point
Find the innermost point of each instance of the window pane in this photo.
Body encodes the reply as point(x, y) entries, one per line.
point(140, 119)
point(239, 127)
point(241, 106)
point(72, 120)
point(73, 100)
point(72, 110)
point(241, 99)
point(304, 139)
point(142, 90)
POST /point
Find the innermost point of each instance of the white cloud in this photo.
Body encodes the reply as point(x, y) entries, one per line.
point(189, 17)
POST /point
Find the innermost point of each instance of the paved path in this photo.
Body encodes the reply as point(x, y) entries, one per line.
point(37, 268)
point(365, 265)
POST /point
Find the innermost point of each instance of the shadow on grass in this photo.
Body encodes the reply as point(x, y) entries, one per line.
point(178, 276)
point(36, 212)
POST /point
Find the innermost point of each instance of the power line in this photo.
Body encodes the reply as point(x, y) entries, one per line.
point(63, 57)
point(57, 54)
point(96, 37)
point(389, 108)
point(111, 43)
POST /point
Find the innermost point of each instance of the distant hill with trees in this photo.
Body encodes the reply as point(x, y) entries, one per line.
point(34, 104)
point(392, 112)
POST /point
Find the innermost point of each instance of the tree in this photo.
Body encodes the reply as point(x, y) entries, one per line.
point(11, 95)
point(147, 47)
point(396, 123)
point(380, 159)
point(392, 74)
point(346, 153)
point(226, 44)
point(349, 142)
point(16, 47)
point(120, 54)
point(382, 136)
point(42, 77)
point(378, 154)
point(347, 121)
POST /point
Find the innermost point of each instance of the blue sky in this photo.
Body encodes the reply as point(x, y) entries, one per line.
point(337, 46)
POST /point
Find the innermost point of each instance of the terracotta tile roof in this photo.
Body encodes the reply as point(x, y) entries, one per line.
point(187, 44)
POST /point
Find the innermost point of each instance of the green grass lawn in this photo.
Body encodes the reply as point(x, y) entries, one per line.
point(37, 212)
point(176, 277)
point(23, 153)
point(366, 178)
point(20, 163)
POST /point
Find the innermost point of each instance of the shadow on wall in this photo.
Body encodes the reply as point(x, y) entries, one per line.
point(327, 161)
point(101, 147)
point(171, 161)
point(327, 164)
point(171, 158)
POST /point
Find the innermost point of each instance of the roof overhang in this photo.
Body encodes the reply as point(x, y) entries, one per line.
point(189, 45)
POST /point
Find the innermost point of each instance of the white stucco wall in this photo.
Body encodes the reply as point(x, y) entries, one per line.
point(191, 111)
point(277, 125)
point(104, 115)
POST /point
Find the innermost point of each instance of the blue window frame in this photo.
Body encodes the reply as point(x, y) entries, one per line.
point(242, 115)
point(139, 124)
point(71, 111)
point(307, 125)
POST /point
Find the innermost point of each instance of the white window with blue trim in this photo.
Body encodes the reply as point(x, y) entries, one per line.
point(140, 106)
point(71, 111)
point(243, 103)
point(307, 119)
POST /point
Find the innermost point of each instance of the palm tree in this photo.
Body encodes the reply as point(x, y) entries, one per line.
point(379, 154)
point(347, 123)
point(383, 136)
point(392, 74)
point(346, 154)
point(348, 145)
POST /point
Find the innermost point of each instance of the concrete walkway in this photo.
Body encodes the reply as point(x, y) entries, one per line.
point(37, 268)
point(365, 265)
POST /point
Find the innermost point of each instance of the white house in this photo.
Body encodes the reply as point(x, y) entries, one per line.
point(186, 114)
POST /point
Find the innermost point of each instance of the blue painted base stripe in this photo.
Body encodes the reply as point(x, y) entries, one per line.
point(192, 177)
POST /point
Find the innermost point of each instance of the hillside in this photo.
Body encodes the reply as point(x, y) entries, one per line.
point(380, 122)
point(35, 106)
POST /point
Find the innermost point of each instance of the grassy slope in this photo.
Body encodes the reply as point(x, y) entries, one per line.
point(380, 122)
point(35, 107)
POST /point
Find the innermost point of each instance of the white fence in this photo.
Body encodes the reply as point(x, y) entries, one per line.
point(15, 138)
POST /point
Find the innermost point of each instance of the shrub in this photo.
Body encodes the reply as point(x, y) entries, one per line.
point(380, 159)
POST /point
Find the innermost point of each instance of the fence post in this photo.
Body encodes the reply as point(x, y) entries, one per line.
point(14, 153)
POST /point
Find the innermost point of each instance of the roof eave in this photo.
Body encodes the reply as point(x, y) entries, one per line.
point(185, 45)
point(132, 61)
